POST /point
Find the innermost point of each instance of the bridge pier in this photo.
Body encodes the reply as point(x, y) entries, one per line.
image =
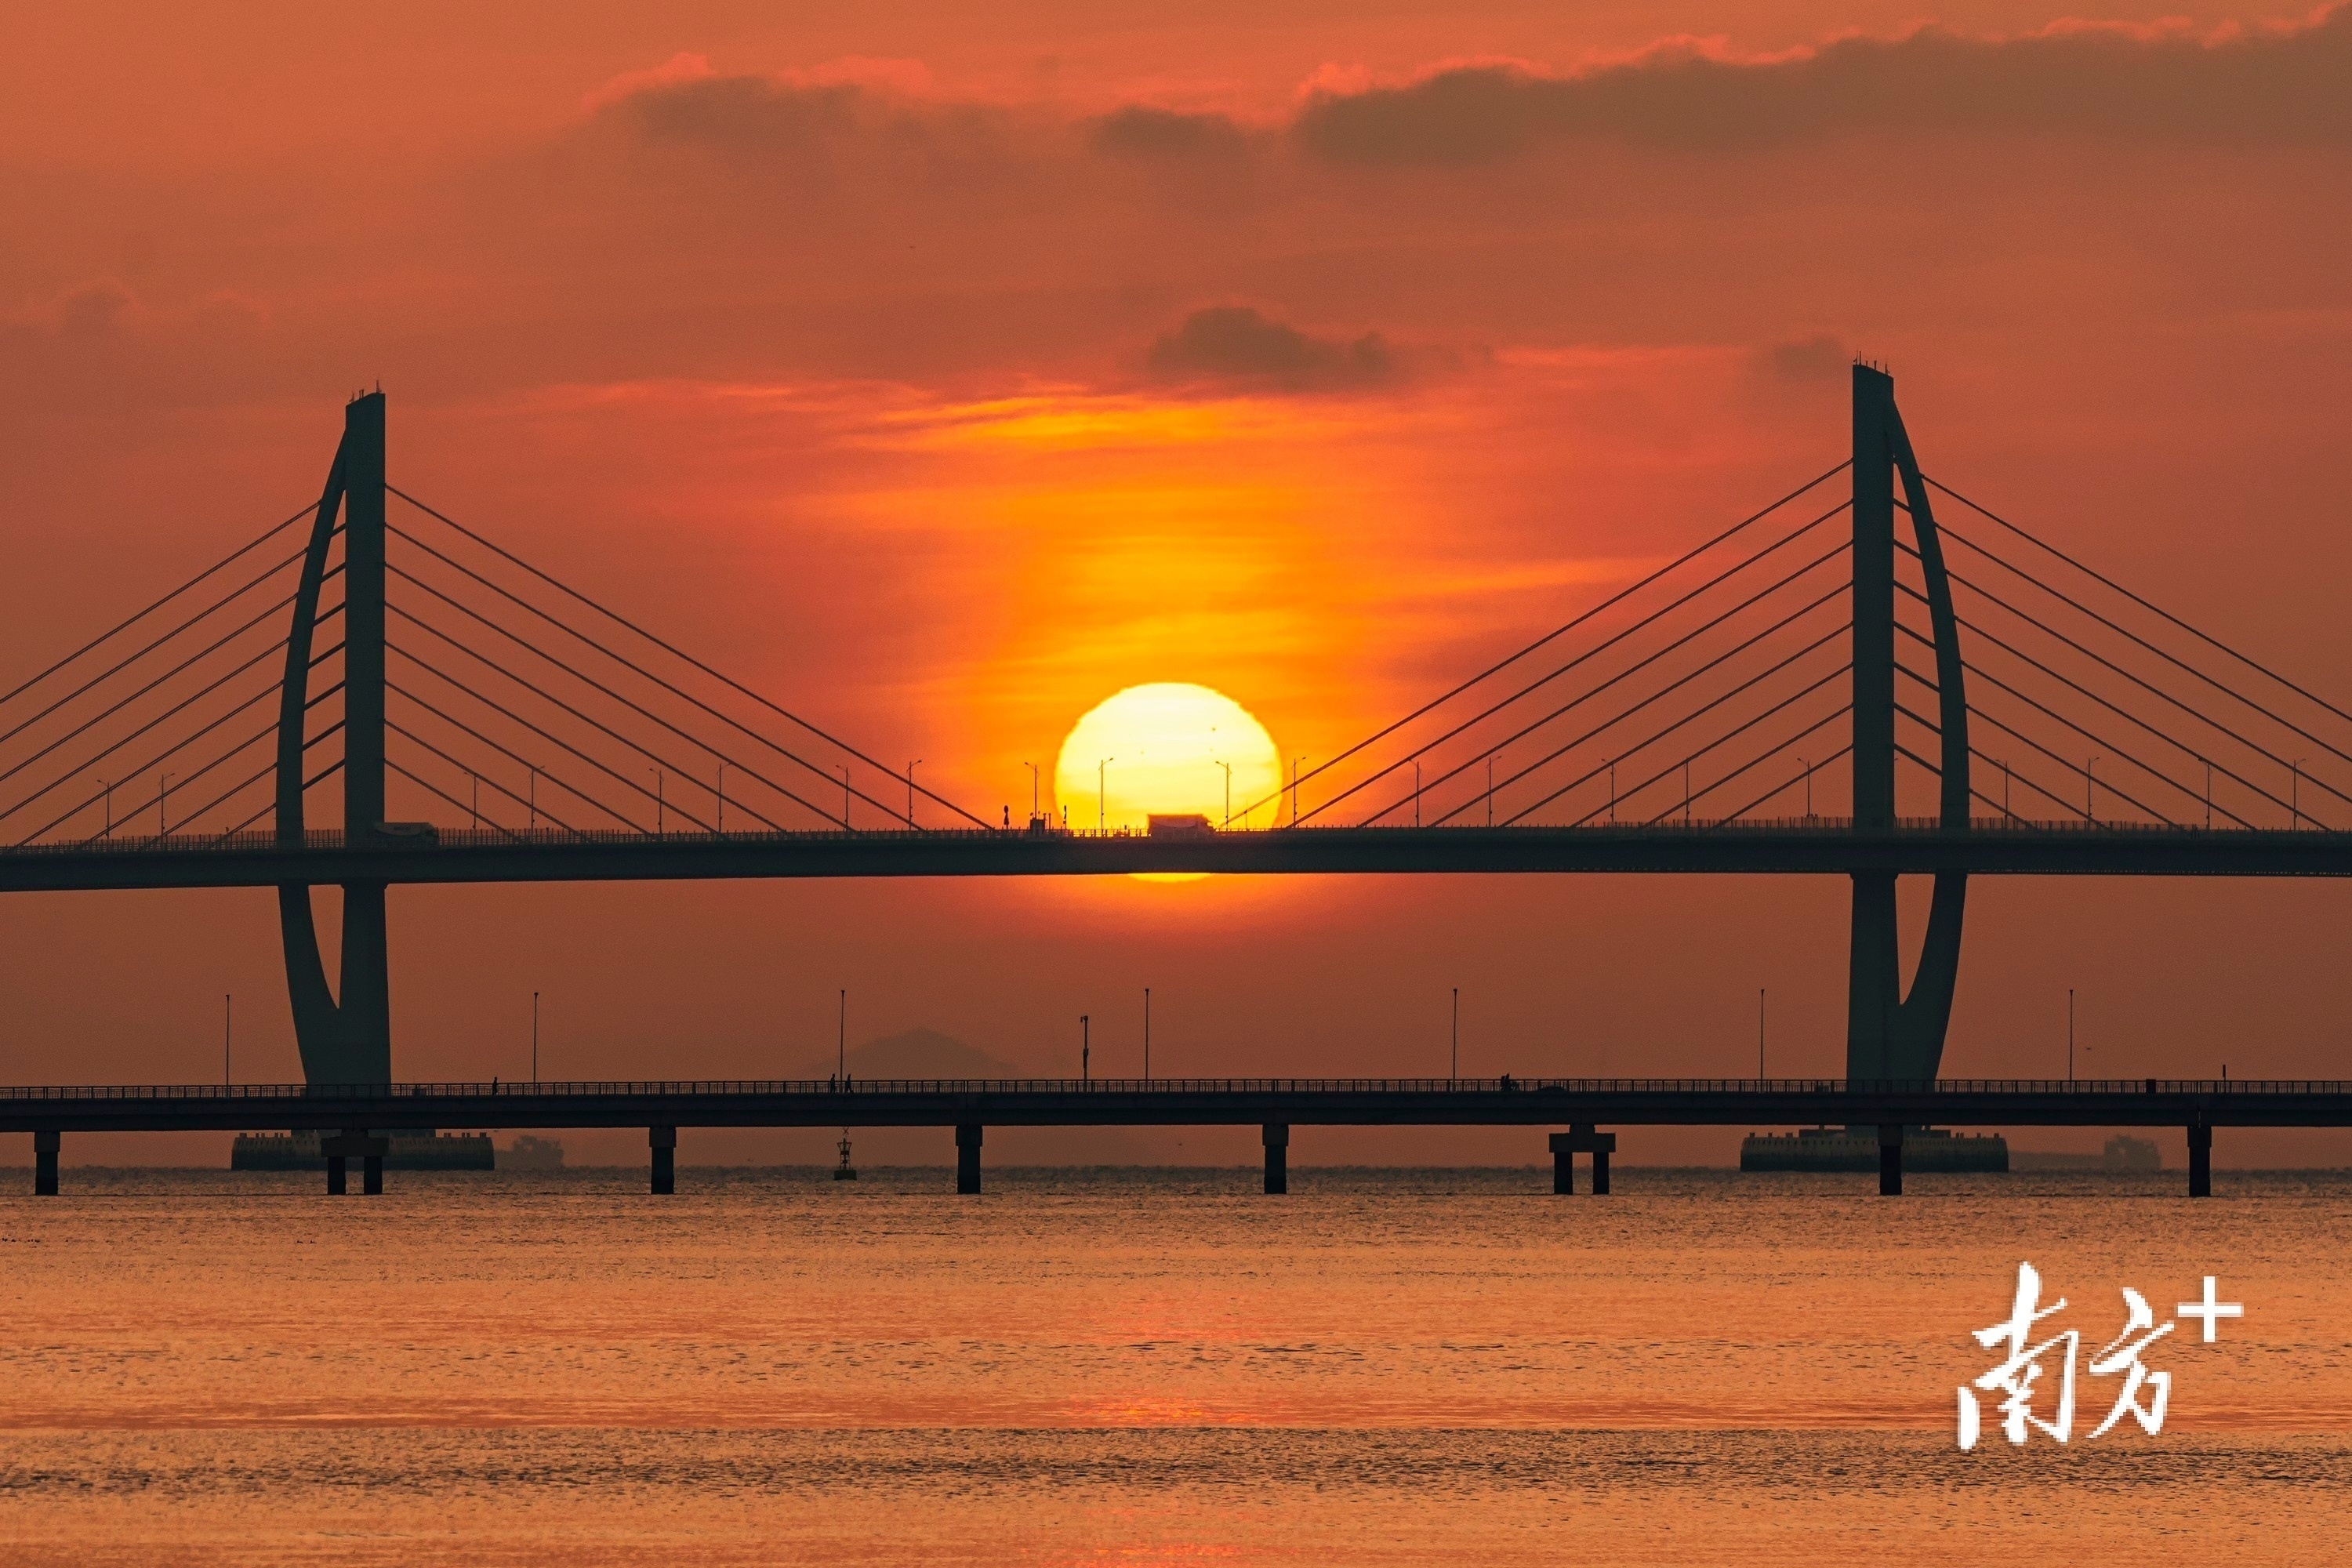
point(1890, 1159)
point(45, 1163)
point(968, 1157)
point(662, 1142)
point(355, 1143)
point(1277, 1156)
point(2200, 1160)
point(1581, 1139)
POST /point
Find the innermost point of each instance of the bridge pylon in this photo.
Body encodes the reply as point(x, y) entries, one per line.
point(345, 1040)
point(1889, 1035)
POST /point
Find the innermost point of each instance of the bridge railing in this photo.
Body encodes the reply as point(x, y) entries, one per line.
point(502, 1088)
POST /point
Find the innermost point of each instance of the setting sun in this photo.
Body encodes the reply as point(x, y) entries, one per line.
point(1166, 748)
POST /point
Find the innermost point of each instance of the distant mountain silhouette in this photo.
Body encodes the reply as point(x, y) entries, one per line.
point(917, 1053)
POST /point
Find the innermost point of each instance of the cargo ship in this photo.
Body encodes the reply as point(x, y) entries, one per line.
point(421, 1150)
point(1845, 1149)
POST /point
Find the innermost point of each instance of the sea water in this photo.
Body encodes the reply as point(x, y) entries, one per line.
point(1151, 1366)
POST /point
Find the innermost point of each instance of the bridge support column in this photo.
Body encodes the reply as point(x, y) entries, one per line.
point(1581, 1139)
point(1890, 1160)
point(662, 1142)
point(2200, 1161)
point(45, 1163)
point(1277, 1156)
point(354, 1144)
point(968, 1157)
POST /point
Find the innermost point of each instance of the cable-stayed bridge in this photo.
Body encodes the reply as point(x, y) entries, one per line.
point(1874, 675)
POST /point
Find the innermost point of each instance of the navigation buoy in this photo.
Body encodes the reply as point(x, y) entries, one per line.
point(844, 1172)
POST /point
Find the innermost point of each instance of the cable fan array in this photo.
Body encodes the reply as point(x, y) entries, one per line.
point(2089, 705)
point(165, 724)
point(1715, 691)
point(1710, 688)
point(515, 706)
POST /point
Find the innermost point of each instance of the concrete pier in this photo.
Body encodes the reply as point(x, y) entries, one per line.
point(2200, 1161)
point(1890, 1159)
point(967, 1156)
point(1581, 1139)
point(1277, 1156)
point(356, 1143)
point(45, 1163)
point(662, 1142)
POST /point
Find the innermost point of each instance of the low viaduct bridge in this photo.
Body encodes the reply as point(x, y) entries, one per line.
point(1680, 726)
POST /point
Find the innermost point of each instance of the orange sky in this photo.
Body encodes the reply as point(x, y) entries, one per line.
point(944, 369)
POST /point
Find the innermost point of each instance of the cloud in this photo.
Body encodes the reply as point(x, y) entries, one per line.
point(1236, 344)
point(1815, 359)
point(1139, 130)
point(2277, 85)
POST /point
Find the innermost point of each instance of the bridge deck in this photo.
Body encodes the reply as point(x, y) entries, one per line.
point(1051, 1102)
point(1822, 845)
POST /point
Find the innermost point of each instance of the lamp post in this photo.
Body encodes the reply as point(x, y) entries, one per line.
point(1293, 789)
point(162, 787)
point(2294, 795)
point(1229, 792)
point(723, 797)
point(1147, 1034)
point(534, 798)
point(2070, 1034)
point(1612, 791)
point(661, 804)
point(845, 797)
point(1809, 788)
point(910, 790)
point(1760, 1034)
point(1086, 1050)
point(1102, 794)
point(1490, 789)
point(1454, 1069)
point(534, 1037)
point(841, 1043)
point(106, 790)
point(228, 1017)
point(475, 808)
point(1032, 791)
point(1416, 792)
point(2090, 796)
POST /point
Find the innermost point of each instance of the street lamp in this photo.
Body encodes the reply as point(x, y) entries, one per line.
point(2090, 798)
point(1229, 793)
point(723, 797)
point(2294, 795)
point(1032, 791)
point(1086, 1050)
point(1490, 789)
point(1809, 793)
point(910, 790)
point(534, 1037)
point(1293, 788)
point(107, 789)
point(1102, 794)
point(661, 804)
point(162, 787)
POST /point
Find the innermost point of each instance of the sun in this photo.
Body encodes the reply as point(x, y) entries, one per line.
point(1158, 749)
